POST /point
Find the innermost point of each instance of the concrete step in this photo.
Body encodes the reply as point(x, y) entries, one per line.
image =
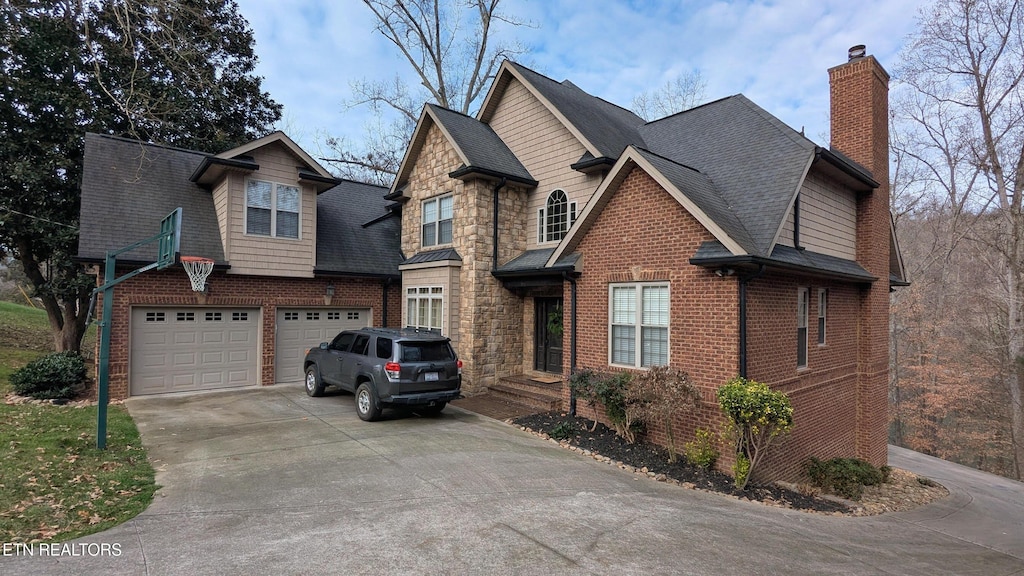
point(527, 383)
point(542, 400)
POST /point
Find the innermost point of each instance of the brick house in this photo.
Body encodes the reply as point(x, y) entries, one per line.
point(299, 255)
point(550, 232)
point(556, 231)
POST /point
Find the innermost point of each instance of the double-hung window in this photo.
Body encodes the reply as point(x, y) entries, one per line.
point(555, 218)
point(639, 320)
point(801, 327)
point(424, 307)
point(437, 221)
point(271, 209)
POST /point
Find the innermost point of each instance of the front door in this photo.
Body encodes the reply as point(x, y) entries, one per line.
point(548, 335)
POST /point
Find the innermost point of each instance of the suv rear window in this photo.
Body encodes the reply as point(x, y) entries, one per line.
point(425, 352)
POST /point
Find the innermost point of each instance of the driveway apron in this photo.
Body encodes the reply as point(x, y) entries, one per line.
point(270, 481)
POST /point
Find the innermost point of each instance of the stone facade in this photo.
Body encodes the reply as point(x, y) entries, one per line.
point(486, 337)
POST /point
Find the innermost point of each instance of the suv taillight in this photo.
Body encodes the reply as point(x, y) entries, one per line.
point(459, 364)
point(393, 370)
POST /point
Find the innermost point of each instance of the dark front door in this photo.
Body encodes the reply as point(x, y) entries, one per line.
point(548, 330)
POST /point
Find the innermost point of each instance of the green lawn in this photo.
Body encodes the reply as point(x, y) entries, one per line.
point(54, 484)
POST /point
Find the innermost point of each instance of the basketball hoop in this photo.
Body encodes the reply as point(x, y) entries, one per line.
point(198, 269)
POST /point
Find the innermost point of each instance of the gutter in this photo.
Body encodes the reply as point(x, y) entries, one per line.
point(762, 261)
point(504, 178)
point(844, 165)
point(571, 278)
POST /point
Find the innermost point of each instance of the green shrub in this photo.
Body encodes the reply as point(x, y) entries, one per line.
point(57, 376)
point(661, 394)
point(583, 383)
point(563, 431)
point(756, 415)
point(741, 470)
point(846, 477)
point(701, 451)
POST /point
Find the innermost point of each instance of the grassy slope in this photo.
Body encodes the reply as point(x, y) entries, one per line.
point(54, 484)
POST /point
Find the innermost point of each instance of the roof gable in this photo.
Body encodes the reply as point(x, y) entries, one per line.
point(756, 162)
point(282, 139)
point(603, 128)
point(693, 190)
point(478, 147)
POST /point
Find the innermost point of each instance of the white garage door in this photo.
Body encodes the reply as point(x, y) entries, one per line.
point(299, 329)
point(181, 349)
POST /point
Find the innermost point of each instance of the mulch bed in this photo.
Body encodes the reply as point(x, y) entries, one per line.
point(652, 460)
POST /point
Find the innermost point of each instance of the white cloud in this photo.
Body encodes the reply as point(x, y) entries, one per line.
point(775, 52)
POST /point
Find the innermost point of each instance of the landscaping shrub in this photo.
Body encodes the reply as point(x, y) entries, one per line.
point(563, 431)
point(846, 477)
point(661, 393)
point(57, 376)
point(582, 383)
point(701, 451)
point(756, 416)
point(607, 389)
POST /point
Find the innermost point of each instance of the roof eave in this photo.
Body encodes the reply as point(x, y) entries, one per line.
point(593, 164)
point(845, 166)
point(344, 274)
point(467, 172)
point(557, 270)
point(751, 260)
point(198, 176)
point(321, 183)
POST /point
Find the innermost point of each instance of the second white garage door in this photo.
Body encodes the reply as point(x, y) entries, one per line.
point(299, 329)
point(185, 349)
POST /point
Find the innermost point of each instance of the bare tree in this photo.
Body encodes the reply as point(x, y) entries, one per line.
point(454, 55)
point(964, 124)
point(682, 93)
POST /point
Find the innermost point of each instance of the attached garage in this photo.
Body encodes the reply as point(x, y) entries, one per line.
point(187, 349)
point(299, 329)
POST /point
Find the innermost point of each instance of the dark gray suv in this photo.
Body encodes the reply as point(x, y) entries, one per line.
point(387, 367)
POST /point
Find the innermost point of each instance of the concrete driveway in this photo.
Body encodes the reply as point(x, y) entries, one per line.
point(269, 481)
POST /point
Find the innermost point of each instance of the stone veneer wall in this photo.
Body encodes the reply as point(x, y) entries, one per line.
point(490, 333)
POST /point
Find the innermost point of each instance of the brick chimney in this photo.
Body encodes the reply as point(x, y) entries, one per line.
point(859, 92)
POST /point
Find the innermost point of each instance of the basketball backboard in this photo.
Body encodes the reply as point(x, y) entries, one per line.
point(170, 240)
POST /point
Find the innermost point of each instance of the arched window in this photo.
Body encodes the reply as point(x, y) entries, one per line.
point(555, 217)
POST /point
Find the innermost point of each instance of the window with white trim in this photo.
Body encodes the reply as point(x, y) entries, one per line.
point(822, 312)
point(271, 209)
point(555, 218)
point(424, 307)
point(437, 221)
point(801, 327)
point(638, 318)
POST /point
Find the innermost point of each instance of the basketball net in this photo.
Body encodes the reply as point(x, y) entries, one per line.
point(198, 269)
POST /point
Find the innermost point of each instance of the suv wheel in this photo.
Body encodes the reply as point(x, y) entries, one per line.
point(365, 405)
point(314, 386)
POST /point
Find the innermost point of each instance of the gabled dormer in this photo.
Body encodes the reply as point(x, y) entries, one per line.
point(264, 193)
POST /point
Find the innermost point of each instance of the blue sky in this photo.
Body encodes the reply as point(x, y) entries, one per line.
point(777, 53)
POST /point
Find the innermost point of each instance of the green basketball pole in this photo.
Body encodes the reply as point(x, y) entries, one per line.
point(169, 239)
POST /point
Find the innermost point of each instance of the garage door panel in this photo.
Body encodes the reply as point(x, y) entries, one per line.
point(192, 349)
point(301, 329)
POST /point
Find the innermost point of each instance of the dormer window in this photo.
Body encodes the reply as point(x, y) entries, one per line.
point(437, 221)
point(271, 209)
point(555, 218)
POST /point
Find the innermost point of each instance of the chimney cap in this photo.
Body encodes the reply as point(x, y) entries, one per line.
point(857, 51)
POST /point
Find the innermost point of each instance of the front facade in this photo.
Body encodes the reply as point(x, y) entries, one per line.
point(551, 232)
point(717, 240)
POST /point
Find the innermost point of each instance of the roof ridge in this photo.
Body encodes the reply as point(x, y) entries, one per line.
point(147, 143)
point(667, 159)
point(783, 128)
point(463, 114)
point(673, 115)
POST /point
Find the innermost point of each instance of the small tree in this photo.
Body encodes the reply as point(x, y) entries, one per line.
point(582, 384)
point(611, 392)
point(757, 415)
point(660, 394)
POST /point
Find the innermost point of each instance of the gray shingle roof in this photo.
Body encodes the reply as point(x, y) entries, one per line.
point(535, 260)
point(482, 147)
point(129, 186)
point(700, 189)
point(433, 256)
point(343, 244)
point(755, 161)
point(608, 127)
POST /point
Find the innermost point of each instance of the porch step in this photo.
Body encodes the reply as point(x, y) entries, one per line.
point(523, 390)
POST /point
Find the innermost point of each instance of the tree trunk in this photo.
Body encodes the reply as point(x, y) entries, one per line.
point(1015, 342)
